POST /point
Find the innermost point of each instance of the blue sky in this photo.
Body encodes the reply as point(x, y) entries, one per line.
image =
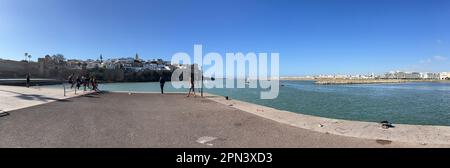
point(312, 36)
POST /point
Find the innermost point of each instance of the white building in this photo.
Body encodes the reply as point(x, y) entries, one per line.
point(433, 75)
point(126, 60)
point(424, 75)
point(109, 65)
point(444, 75)
point(93, 65)
point(181, 66)
point(150, 66)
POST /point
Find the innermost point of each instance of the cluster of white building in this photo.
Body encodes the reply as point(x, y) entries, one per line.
point(128, 64)
point(343, 76)
point(417, 75)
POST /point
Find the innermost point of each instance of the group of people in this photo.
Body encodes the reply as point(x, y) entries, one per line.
point(91, 82)
point(162, 81)
point(83, 80)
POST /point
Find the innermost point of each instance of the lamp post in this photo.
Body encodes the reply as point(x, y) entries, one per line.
point(201, 89)
point(202, 85)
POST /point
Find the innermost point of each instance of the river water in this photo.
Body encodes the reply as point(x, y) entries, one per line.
point(405, 103)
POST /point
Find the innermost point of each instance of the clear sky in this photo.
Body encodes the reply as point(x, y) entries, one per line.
point(312, 36)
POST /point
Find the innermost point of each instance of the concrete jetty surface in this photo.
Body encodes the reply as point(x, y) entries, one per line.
point(154, 120)
point(17, 97)
point(416, 134)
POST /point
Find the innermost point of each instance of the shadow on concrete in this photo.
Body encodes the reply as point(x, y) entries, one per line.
point(39, 98)
point(91, 96)
point(212, 96)
point(34, 97)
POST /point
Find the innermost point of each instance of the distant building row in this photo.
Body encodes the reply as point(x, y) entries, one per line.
point(394, 75)
point(417, 75)
point(368, 76)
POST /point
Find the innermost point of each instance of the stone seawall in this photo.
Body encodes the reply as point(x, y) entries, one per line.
point(18, 69)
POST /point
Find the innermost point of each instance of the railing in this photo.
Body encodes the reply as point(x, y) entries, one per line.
point(67, 89)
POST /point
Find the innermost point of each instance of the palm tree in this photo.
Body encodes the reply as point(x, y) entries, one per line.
point(29, 58)
point(26, 56)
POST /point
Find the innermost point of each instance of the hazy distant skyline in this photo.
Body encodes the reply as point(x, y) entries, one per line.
point(312, 36)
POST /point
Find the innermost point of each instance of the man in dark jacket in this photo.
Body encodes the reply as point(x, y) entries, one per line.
point(162, 81)
point(28, 80)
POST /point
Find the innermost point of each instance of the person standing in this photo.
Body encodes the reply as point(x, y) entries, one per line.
point(83, 81)
point(192, 81)
point(88, 81)
point(78, 81)
point(162, 81)
point(94, 84)
point(28, 80)
point(70, 80)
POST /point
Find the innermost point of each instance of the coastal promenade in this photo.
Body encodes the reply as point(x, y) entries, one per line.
point(154, 120)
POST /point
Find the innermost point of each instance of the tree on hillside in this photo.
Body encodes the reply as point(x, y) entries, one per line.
point(58, 58)
point(101, 58)
point(26, 56)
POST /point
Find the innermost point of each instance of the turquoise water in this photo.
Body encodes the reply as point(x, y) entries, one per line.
point(406, 103)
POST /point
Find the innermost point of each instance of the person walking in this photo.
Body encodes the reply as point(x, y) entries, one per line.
point(78, 83)
point(162, 81)
point(70, 80)
point(88, 81)
point(28, 80)
point(94, 84)
point(83, 81)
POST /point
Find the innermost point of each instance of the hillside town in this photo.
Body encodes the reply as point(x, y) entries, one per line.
point(128, 64)
point(113, 69)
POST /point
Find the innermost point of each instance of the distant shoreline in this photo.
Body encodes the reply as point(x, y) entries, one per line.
point(341, 81)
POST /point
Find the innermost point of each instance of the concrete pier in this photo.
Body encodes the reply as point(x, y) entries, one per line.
point(155, 120)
